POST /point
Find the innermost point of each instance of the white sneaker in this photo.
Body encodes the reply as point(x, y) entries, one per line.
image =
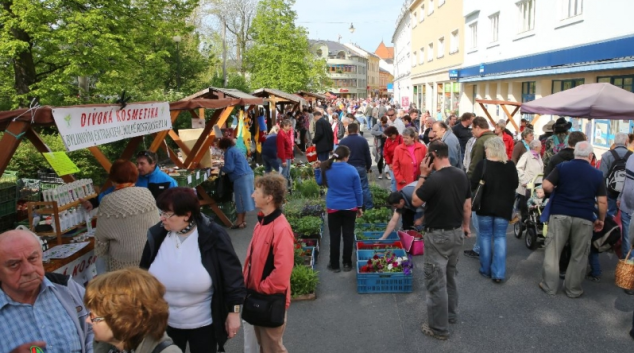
point(380, 177)
point(388, 177)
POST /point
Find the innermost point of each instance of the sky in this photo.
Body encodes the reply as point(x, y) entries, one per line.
point(373, 20)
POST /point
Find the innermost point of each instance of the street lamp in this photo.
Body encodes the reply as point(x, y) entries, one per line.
point(177, 39)
point(351, 29)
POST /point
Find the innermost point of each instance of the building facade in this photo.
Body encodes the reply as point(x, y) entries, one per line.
point(373, 69)
point(402, 88)
point(347, 68)
point(437, 49)
point(385, 77)
point(523, 50)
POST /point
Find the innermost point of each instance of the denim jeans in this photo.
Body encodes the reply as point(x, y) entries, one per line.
point(493, 230)
point(626, 242)
point(365, 187)
point(612, 209)
point(323, 156)
point(393, 181)
point(476, 226)
point(595, 266)
point(270, 164)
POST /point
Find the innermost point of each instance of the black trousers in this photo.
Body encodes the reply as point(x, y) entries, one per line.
point(341, 224)
point(380, 163)
point(407, 216)
point(201, 340)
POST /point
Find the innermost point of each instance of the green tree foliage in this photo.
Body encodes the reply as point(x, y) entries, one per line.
point(118, 44)
point(280, 56)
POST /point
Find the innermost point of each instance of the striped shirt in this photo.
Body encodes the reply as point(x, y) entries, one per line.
point(46, 320)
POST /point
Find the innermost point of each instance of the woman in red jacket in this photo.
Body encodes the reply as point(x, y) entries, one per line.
point(505, 135)
point(391, 142)
point(273, 234)
point(407, 158)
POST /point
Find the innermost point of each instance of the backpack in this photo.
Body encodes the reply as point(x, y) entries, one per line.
point(341, 130)
point(616, 176)
point(607, 238)
point(559, 145)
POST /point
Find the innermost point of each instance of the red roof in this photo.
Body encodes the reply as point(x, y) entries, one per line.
point(384, 52)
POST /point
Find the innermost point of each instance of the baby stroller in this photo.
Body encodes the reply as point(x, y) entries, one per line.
point(535, 229)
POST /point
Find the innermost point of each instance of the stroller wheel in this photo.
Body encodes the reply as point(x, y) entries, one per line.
point(531, 238)
point(517, 230)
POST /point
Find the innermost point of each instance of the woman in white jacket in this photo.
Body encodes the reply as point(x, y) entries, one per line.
point(529, 165)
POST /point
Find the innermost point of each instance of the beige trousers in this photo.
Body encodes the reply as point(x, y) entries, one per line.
point(270, 338)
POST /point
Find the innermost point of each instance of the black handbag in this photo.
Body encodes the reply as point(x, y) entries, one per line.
point(476, 200)
point(266, 310)
point(224, 188)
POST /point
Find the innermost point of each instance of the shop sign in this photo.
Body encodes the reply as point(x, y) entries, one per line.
point(405, 102)
point(343, 90)
point(453, 74)
point(82, 269)
point(390, 87)
point(82, 127)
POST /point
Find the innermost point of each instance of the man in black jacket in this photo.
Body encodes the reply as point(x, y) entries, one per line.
point(566, 154)
point(324, 139)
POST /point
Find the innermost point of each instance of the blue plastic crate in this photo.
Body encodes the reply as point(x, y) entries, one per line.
point(392, 282)
point(370, 225)
point(376, 235)
point(365, 255)
point(374, 243)
point(312, 256)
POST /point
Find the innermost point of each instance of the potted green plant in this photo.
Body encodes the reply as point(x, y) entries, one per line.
point(303, 283)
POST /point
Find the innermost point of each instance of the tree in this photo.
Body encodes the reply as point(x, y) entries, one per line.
point(280, 55)
point(117, 44)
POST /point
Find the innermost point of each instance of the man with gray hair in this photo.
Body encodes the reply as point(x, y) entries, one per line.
point(576, 186)
point(38, 309)
point(613, 167)
point(445, 134)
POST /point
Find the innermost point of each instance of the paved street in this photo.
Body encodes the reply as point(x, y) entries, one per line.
point(512, 317)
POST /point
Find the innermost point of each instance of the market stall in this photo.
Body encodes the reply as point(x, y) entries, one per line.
point(503, 105)
point(311, 97)
point(277, 98)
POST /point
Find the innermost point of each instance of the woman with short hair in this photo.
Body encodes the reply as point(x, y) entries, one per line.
point(272, 237)
point(500, 181)
point(393, 140)
point(127, 310)
point(521, 146)
point(241, 174)
point(407, 159)
point(194, 259)
point(528, 167)
point(124, 215)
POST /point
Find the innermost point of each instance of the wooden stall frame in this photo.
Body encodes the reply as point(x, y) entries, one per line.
point(503, 105)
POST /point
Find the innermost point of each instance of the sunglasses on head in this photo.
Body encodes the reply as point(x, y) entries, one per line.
point(147, 155)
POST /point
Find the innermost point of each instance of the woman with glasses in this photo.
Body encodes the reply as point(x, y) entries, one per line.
point(407, 159)
point(127, 310)
point(194, 259)
point(125, 215)
point(237, 167)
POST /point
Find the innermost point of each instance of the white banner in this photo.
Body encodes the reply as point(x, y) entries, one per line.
point(82, 269)
point(83, 127)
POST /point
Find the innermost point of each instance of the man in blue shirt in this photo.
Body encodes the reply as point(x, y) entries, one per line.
point(577, 186)
point(360, 159)
point(38, 309)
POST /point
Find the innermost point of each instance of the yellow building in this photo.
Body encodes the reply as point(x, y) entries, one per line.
point(437, 50)
point(385, 77)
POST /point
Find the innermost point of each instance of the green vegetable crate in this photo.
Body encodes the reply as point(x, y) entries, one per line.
point(8, 194)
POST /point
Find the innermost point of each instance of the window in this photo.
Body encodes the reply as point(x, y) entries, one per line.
point(422, 12)
point(562, 85)
point(473, 35)
point(571, 8)
point(625, 82)
point(431, 7)
point(414, 59)
point(526, 18)
point(414, 18)
point(455, 42)
point(441, 2)
point(528, 91)
point(441, 47)
point(495, 27)
point(421, 58)
point(430, 52)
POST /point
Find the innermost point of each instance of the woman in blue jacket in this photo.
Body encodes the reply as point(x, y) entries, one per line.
point(237, 167)
point(344, 202)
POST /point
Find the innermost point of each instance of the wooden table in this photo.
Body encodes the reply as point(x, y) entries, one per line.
point(81, 265)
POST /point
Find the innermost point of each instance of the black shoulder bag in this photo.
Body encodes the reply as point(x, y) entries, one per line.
point(266, 310)
point(476, 201)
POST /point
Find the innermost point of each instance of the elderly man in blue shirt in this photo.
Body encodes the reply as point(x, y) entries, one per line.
point(38, 309)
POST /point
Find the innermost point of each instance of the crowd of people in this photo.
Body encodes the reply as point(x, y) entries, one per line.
point(172, 278)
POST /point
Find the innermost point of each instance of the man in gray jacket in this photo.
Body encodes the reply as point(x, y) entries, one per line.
point(38, 309)
point(446, 135)
point(608, 159)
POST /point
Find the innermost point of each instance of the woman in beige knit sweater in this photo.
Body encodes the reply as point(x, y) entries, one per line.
point(124, 217)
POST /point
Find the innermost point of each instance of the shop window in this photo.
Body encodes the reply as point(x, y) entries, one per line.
point(601, 133)
point(526, 18)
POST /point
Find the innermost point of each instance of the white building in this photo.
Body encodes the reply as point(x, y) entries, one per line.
point(523, 50)
point(402, 63)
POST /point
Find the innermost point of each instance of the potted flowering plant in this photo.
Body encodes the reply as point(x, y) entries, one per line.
point(388, 262)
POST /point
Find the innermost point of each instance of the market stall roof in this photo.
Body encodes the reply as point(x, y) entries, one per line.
point(311, 94)
point(222, 93)
point(285, 97)
point(43, 116)
point(593, 100)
